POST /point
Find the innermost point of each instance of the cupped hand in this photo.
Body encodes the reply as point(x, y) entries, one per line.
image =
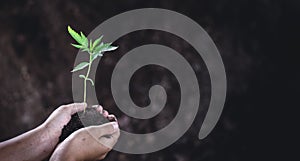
point(59, 118)
point(90, 143)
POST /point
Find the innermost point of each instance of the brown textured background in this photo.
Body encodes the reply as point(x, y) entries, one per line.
point(258, 40)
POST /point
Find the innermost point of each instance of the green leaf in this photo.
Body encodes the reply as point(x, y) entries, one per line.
point(91, 43)
point(92, 82)
point(80, 66)
point(110, 48)
point(82, 76)
point(84, 39)
point(97, 41)
point(105, 47)
point(77, 46)
point(99, 48)
point(86, 49)
point(75, 35)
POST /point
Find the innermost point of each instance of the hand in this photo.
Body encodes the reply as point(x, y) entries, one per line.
point(39, 143)
point(90, 143)
point(59, 118)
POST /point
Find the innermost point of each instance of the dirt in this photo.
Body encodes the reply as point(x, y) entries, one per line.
point(82, 119)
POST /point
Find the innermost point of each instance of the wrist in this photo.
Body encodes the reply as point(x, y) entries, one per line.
point(64, 152)
point(62, 157)
point(50, 138)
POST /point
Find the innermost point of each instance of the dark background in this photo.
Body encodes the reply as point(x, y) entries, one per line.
point(257, 39)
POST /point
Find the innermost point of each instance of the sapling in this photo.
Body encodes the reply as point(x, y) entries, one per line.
point(95, 49)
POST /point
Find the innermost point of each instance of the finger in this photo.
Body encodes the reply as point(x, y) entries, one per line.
point(73, 108)
point(111, 118)
point(76, 107)
point(105, 113)
point(99, 108)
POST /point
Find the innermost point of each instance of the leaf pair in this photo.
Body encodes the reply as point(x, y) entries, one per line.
point(89, 79)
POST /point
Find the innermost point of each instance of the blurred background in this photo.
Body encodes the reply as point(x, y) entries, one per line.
point(257, 39)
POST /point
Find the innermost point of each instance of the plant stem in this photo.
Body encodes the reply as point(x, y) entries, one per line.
point(86, 77)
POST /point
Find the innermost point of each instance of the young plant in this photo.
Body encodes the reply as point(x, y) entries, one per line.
point(94, 49)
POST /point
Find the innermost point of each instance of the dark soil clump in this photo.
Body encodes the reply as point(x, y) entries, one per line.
point(82, 119)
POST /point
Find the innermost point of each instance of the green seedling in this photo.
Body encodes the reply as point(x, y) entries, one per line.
point(95, 49)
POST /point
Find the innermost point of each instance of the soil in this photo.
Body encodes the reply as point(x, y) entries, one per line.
point(82, 119)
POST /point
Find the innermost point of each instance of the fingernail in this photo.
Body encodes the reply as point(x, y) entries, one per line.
point(115, 126)
point(112, 117)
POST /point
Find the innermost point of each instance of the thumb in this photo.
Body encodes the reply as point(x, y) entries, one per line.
point(110, 139)
point(106, 134)
point(105, 129)
point(109, 128)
